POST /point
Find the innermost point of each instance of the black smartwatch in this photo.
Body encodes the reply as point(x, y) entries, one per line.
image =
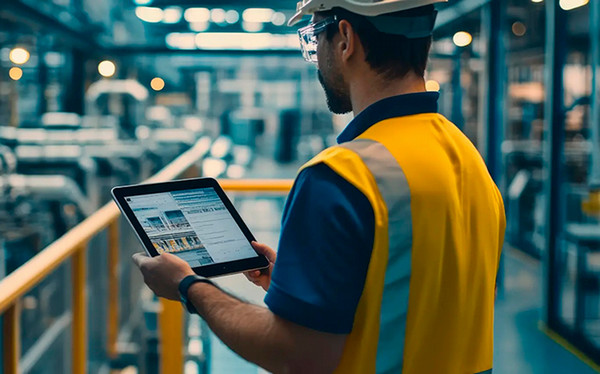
point(184, 287)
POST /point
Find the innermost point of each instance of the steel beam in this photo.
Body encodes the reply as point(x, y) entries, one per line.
point(594, 178)
point(556, 54)
point(44, 16)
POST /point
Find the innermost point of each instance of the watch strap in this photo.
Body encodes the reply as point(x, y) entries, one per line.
point(184, 287)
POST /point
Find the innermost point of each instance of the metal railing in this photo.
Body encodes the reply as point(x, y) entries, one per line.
point(74, 245)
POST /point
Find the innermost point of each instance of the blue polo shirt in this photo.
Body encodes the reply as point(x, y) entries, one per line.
point(327, 234)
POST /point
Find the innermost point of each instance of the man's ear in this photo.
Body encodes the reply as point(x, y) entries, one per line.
point(347, 44)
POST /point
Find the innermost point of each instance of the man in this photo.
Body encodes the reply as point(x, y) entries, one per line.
point(390, 241)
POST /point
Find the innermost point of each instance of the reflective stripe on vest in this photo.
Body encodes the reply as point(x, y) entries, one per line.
point(393, 187)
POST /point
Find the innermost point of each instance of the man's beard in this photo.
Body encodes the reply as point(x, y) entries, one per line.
point(337, 101)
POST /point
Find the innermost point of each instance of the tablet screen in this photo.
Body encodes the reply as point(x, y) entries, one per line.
point(192, 224)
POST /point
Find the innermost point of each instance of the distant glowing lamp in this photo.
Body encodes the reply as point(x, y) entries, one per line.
point(149, 14)
point(432, 85)
point(537, 1)
point(232, 16)
point(252, 26)
point(197, 15)
point(572, 4)
point(462, 39)
point(19, 56)
point(107, 68)
point(257, 15)
point(218, 15)
point(172, 15)
point(519, 28)
point(278, 19)
point(15, 73)
point(157, 84)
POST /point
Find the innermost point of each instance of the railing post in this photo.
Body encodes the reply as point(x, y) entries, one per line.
point(113, 288)
point(12, 338)
point(79, 324)
point(171, 337)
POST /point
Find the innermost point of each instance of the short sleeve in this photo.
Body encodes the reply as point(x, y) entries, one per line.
point(324, 251)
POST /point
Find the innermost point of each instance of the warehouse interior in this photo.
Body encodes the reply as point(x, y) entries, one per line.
point(95, 94)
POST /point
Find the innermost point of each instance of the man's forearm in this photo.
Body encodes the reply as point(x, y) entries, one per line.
point(259, 336)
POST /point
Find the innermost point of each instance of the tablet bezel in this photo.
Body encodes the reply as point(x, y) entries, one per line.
point(120, 193)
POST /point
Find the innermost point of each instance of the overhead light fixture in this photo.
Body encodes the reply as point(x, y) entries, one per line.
point(572, 4)
point(217, 15)
point(252, 26)
point(15, 73)
point(157, 84)
point(278, 19)
point(149, 14)
point(537, 1)
point(519, 28)
point(193, 15)
point(199, 26)
point(257, 15)
point(232, 16)
point(180, 40)
point(143, 2)
point(432, 86)
point(19, 56)
point(107, 68)
point(172, 15)
point(246, 41)
point(462, 39)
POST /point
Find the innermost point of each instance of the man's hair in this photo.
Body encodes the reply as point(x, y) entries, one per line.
point(393, 56)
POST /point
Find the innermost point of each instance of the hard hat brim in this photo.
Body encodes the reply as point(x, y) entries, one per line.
point(296, 18)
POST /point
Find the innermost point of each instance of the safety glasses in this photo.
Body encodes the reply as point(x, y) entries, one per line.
point(308, 37)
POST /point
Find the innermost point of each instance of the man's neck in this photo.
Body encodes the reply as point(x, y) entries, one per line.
point(371, 88)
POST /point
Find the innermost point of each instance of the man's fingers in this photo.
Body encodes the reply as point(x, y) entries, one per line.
point(264, 250)
point(140, 258)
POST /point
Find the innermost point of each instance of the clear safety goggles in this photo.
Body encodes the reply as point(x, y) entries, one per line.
point(308, 37)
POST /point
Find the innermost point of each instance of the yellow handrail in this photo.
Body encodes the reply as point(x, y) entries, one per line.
point(74, 245)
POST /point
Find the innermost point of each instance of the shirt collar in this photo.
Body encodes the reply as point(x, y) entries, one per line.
point(391, 107)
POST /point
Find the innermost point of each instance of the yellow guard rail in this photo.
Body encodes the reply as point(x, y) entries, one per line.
point(73, 245)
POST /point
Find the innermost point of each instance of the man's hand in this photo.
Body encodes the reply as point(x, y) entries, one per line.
point(262, 277)
point(163, 273)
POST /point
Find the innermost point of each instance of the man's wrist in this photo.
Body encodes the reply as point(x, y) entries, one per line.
point(185, 286)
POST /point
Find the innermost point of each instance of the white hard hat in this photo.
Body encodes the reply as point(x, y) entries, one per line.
point(368, 8)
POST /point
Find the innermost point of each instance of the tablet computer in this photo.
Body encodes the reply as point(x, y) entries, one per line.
point(193, 219)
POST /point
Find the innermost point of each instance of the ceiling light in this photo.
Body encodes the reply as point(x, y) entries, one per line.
point(157, 84)
point(217, 15)
point(462, 39)
point(199, 26)
point(572, 4)
point(143, 2)
point(519, 28)
point(278, 19)
point(177, 40)
point(257, 15)
point(107, 68)
point(172, 15)
point(232, 16)
point(149, 14)
point(245, 41)
point(197, 15)
point(536, 1)
point(252, 26)
point(15, 73)
point(19, 56)
point(432, 85)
